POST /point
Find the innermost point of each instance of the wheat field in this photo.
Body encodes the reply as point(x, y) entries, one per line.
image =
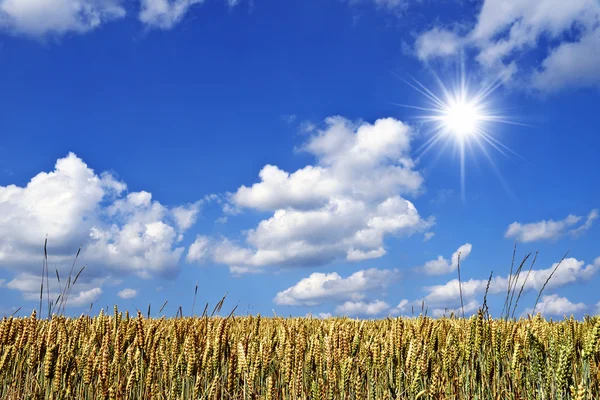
point(123, 357)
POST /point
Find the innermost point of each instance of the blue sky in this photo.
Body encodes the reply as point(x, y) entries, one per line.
point(259, 148)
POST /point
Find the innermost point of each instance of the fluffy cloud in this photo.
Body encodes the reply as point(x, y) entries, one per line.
point(442, 266)
point(555, 305)
point(571, 64)
point(73, 205)
point(84, 298)
point(549, 230)
point(341, 208)
point(355, 308)
point(438, 43)
point(127, 293)
point(570, 271)
point(506, 29)
point(319, 287)
point(57, 17)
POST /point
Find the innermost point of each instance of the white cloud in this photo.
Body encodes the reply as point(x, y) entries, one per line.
point(351, 157)
point(555, 305)
point(185, 216)
point(237, 272)
point(507, 29)
point(592, 216)
point(320, 287)
point(598, 308)
point(38, 18)
point(84, 298)
point(354, 308)
point(321, 315)
point(198, 250)
point(442, 266)
point(574, 64)
point(165, 14)
point(73, 205)
point(127, 293)
point(570, 271)
point(438, 43)
point(401, 308)
point(549, 230)
point(428, 236)
point(77, 297)
point(469, 309)
point(341, 208)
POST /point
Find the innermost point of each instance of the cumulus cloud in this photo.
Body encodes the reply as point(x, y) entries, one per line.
point(57, 17)
point(341, 208)
point(320, 287)
point(550, 229)
point(555, 305)
point(121, 233)
point(442, 266)
point(569, 272)
point(127, 293)
point(504, 30)
point(428, 236)
point(355, 308)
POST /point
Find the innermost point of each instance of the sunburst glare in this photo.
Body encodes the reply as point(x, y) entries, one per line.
point(464, 117)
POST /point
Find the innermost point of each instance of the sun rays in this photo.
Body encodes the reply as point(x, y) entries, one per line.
point(463, 117)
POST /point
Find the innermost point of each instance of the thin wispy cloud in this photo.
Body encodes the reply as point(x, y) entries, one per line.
point(550, 229)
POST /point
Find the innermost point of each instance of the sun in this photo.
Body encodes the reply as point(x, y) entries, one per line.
point(464, 117)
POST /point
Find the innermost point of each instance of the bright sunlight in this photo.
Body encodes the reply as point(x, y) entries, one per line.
point(464, 117)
